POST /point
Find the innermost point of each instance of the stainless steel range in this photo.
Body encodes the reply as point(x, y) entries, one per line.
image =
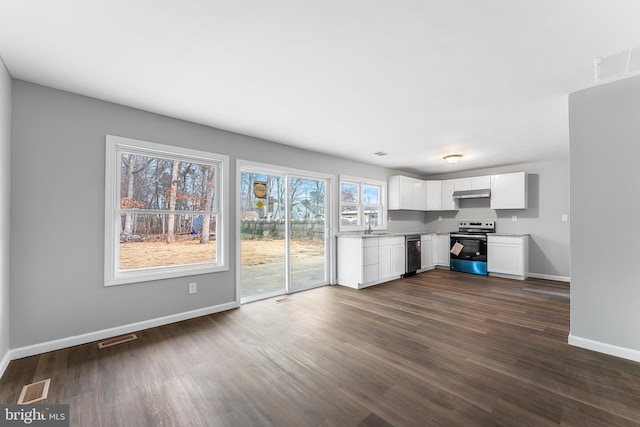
point(469, 246)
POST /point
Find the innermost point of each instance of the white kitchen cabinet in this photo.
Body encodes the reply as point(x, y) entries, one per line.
point(509, 191)
point(433, 190)
point(391, 257)
point(472, 183)
point(426, 251)
point(406, 193)
point(448, 202)
point(462, 184)
point(358, 261)
point(400, 190)
point(508, 256)
point(441, 249)
point(481, 182)
point(419, 195)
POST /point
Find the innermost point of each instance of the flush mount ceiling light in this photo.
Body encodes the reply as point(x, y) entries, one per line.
point(452, 158)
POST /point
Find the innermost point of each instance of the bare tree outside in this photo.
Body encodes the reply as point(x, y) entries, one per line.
point(206, 218)
point(173, 194)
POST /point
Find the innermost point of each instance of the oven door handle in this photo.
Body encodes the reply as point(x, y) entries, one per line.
point(466, 236)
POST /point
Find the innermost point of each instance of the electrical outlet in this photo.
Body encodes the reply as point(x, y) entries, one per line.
point(514, 218)
point(193, 288)
point(565, 218)
point(439, 218)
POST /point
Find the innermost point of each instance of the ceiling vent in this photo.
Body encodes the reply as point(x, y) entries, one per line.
point(618, 65)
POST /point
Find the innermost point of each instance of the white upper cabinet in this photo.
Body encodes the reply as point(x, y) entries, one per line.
point(462, 184)
point(509, 191)
point(434, 195)
point(406, 193)
point(400, 192)
point(448, 202)
point(481, 182)
point(419, 195)
point(473, 183)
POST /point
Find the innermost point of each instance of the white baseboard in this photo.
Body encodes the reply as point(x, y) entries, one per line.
point(507, 276)
point(44, 347)
point(600, 347)
point(550, 277)
point(4, 362)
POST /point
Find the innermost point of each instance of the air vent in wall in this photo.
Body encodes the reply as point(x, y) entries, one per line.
point(618, 65)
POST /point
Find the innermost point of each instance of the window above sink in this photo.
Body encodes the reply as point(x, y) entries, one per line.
point(362, 204)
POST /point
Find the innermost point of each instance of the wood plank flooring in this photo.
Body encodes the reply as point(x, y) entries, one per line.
point(437, 349)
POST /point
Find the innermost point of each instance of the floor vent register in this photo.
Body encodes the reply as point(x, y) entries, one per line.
point(117, 340)
point(35, 392)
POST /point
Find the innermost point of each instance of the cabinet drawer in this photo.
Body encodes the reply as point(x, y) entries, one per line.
point(514, 240)
point(369, 273)
point(370, 255)
point(370, 242)
point(389, 241)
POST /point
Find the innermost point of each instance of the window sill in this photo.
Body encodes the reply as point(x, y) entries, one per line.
point(151, 274)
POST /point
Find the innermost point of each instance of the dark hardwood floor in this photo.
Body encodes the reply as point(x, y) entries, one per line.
point(437, 349)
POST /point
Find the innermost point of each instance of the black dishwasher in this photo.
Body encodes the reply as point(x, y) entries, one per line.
point(413, 255)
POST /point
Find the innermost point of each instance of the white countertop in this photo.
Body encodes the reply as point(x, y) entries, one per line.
point(360, 234)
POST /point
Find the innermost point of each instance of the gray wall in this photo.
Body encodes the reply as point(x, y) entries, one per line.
point(57, 203)
point(5, 187)
point(57, 213)
point(605, 147)
point(548, 186)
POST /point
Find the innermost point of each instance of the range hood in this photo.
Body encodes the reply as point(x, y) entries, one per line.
point(472, 194)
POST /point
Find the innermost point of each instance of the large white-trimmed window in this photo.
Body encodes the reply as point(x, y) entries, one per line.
point(362, 204)
point(165, 211)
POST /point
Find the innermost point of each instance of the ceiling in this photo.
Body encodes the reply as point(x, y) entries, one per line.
point(417, 79)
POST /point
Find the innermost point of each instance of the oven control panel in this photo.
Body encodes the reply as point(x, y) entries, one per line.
point(477, 224)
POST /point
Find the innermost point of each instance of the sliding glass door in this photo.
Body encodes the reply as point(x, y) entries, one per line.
point(307, 255)
point(283, 232)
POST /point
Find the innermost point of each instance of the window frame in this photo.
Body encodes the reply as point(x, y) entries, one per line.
point(115, 146)
point(361, 206)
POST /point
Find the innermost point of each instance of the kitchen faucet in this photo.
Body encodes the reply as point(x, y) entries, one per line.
point(368, 230)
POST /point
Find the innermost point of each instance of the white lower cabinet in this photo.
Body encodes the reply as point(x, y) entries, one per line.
point(391, 257)
point(426, 251)
point(366, 261)
point(441, 250)
point(508, 256)
point(369, 260)
point(357, 261)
